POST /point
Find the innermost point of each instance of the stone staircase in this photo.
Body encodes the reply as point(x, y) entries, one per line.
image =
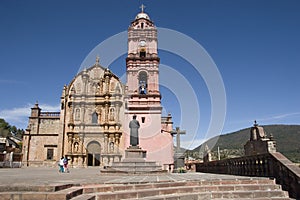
point(132, 167)
point(48, 192)
point(251, 188)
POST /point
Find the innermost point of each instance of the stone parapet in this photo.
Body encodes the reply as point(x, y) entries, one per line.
point(274, 165)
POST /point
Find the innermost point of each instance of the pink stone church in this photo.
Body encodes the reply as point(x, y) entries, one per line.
point(92, 127)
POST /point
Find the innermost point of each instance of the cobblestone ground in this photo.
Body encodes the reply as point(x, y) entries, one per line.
point(51, 176)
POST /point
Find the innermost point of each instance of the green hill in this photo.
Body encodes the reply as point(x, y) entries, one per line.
point(287, 139)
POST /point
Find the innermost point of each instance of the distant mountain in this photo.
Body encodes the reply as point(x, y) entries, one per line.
point(287, 139)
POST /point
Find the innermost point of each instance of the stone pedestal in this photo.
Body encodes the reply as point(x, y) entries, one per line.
point(179, 160)
point(262, 146)
point(134, 163)
point(259, 143)
point(135, 154)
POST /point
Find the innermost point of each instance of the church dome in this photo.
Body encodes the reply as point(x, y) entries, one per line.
point(142, 15)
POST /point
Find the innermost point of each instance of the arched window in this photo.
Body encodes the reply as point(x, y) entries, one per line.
point(94, 118)
point(143, 82)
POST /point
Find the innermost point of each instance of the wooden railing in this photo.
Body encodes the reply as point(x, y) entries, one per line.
point(273, 165)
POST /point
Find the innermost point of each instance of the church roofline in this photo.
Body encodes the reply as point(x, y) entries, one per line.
point(89, 69)
point(149, 20)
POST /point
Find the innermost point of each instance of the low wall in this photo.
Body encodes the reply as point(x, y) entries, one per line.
point(6, 161)
point(273, 165)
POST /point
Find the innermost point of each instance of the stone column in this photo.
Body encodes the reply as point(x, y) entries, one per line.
point(101, 86)
point(105, 143)
point(106, 112)
point(98, 109)
point(117, 143)
point(84, 78)
point(107, 84)
point(117, 112)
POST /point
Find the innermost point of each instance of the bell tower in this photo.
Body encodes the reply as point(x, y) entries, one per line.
point(142, 60)
point(142, 64)
point(143, 95)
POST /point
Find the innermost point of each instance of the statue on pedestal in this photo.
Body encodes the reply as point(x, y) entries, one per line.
point(134, 126)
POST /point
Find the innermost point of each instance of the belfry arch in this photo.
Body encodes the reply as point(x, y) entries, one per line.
point(143, 82)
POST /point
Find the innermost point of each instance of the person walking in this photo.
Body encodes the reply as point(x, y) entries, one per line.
point(61, 165)
point(65, 164)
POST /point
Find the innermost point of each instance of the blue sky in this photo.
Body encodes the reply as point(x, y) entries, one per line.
point(255, 45)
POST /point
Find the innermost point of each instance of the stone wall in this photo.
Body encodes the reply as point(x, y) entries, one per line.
point(8, 160)
point(41, 139)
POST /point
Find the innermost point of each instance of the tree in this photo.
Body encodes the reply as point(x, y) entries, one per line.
point(4, 128)
point(7, 130)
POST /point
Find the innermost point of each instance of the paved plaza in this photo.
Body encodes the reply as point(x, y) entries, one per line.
point(50, 176)
point(89, 184)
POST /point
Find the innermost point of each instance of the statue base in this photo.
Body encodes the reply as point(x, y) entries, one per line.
point(135, 154)
point(134, 163)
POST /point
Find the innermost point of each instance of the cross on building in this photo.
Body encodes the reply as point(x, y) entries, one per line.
point(142, 7)
point(178, 132)
point(97, 59)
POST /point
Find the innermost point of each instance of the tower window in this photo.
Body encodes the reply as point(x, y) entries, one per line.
point(143, 119)
point(142, 53)
point(142, 25)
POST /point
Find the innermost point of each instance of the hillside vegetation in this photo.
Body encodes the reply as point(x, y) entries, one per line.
point(287, 139)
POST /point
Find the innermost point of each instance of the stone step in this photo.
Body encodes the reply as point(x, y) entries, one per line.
point(34, 188)
point(136, 169)
point(257, 188)
point(85, 197)
point(192, 188)
point(211, 192)
point(64, 194)
point(239, 184)
point(202, 197)
point(70, 192)
point(135, 164)
point(243, 188)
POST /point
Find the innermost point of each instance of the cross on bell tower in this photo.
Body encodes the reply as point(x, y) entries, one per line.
point(142, 7)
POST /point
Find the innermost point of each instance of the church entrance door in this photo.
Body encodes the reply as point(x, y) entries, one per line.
point(94, 153)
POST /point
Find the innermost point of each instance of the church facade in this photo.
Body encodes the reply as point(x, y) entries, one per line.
point(91, 128)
